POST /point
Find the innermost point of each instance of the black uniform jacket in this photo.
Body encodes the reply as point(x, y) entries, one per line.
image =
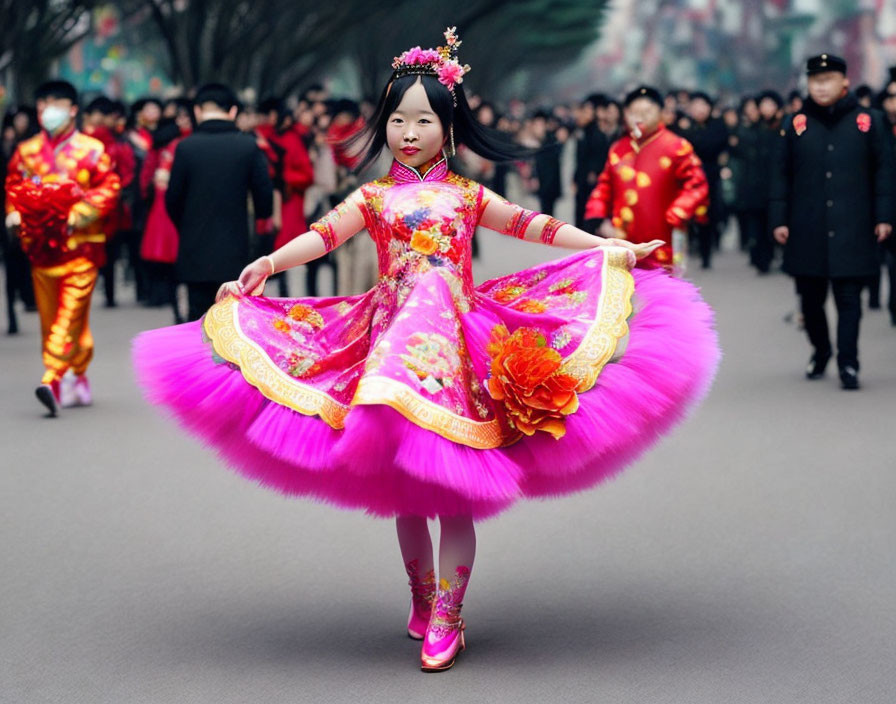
point(831, 183)
point(214, 170)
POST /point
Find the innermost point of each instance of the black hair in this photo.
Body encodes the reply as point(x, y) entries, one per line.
point(864, 91)
point(792, 95)
point(100, 104)
point(775, 96)
point(118, 108)
point(63, 90)
point(743, 103)
point(271, 104)
point(345, 105)
point(487, 142)
point(141, 103)
point(702, 95)
point(218, 94)
point(597, 100)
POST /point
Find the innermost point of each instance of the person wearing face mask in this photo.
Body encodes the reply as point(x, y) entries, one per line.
point(652, 183)
point(65, 256)
point(831, 203)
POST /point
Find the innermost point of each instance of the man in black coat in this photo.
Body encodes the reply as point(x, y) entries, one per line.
point(709, 137)
point(831, 201)
point(592, 148)
point(213, 172)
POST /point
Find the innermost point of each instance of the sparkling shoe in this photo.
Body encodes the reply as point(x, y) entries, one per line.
point(423, 593)
point(444, 637)
point(48, 394)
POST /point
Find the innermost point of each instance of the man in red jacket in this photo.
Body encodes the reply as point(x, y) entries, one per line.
point(652, 182)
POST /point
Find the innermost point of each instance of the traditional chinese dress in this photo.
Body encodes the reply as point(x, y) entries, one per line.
point(429, 395)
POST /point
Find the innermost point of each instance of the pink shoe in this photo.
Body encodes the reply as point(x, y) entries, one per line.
point(67, 397)
point(423, 592)
point(83, 397)
point(444, 637)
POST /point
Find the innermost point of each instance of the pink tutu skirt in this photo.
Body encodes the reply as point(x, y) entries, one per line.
point(388, 402)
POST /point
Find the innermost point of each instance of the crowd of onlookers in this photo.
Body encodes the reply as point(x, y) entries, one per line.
point(311, 168)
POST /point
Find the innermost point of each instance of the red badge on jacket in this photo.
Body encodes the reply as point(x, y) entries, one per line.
point(799, 123)
point(863, 120)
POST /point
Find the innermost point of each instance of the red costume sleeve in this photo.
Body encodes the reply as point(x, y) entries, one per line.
point(693, 196)
point(600, 202)
point(298, 173)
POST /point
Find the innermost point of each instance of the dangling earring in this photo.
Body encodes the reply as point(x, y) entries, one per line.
point(451, 139)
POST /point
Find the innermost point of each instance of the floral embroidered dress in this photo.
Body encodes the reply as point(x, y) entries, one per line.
point(429, 395)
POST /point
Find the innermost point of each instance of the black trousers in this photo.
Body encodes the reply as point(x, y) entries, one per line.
point(887, 257)
point(813, 291)
point(705, 234)
point(757, 237)
point(201, 296)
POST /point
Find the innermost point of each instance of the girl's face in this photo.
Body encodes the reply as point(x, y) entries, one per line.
point(414, 133)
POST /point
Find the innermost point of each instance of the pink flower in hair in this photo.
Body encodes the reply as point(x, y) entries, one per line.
point(451, 73)
point(412, 56)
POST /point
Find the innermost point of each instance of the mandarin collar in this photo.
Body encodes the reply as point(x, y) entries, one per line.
point(56, 141)
point(402, 173)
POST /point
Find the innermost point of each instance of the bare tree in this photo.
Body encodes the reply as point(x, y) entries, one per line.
point(36, 33)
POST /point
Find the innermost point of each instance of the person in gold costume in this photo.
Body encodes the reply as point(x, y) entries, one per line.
point(60, 189)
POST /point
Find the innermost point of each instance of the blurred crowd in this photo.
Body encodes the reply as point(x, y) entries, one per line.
point(303, 139)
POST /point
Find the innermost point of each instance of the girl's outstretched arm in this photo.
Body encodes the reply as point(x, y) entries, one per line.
point(514, 220)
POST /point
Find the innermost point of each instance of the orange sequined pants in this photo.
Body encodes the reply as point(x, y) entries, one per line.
point(63, 299)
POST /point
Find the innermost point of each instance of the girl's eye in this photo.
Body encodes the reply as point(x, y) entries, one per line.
point(424, 121)
point(396, 120)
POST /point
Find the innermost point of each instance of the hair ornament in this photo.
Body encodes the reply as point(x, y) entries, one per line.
point(440, 62)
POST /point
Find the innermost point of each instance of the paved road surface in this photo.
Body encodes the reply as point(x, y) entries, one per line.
point(748, 558)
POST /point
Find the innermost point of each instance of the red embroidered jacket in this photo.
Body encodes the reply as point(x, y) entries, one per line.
point(77, 158)
point(649, 187)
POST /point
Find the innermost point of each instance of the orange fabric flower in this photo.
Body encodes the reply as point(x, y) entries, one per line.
point(423, 243)
point(302, 313)
point(530, 305)
point(525, 377)
point(281, 325)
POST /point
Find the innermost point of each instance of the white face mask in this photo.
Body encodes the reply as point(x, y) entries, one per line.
point(53, 118)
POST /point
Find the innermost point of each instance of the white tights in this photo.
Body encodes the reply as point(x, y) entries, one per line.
point(457, 545)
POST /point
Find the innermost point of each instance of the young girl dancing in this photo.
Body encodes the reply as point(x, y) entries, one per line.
point(429, 396)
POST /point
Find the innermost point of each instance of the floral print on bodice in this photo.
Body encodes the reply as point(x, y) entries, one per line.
point(420, 223)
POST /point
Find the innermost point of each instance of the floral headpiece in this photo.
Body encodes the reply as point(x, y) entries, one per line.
point(440, 62)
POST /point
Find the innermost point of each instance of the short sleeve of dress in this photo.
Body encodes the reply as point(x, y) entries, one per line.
point(343, 221)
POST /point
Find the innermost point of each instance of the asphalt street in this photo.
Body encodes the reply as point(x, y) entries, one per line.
point(748, 558)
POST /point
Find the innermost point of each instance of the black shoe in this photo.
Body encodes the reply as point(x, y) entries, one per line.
point(849, 378)
point(46, 394)
point(817, 365)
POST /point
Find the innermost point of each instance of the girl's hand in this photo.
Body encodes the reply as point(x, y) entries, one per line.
point(230, 288)
point(640, 249)
point(252, 278)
